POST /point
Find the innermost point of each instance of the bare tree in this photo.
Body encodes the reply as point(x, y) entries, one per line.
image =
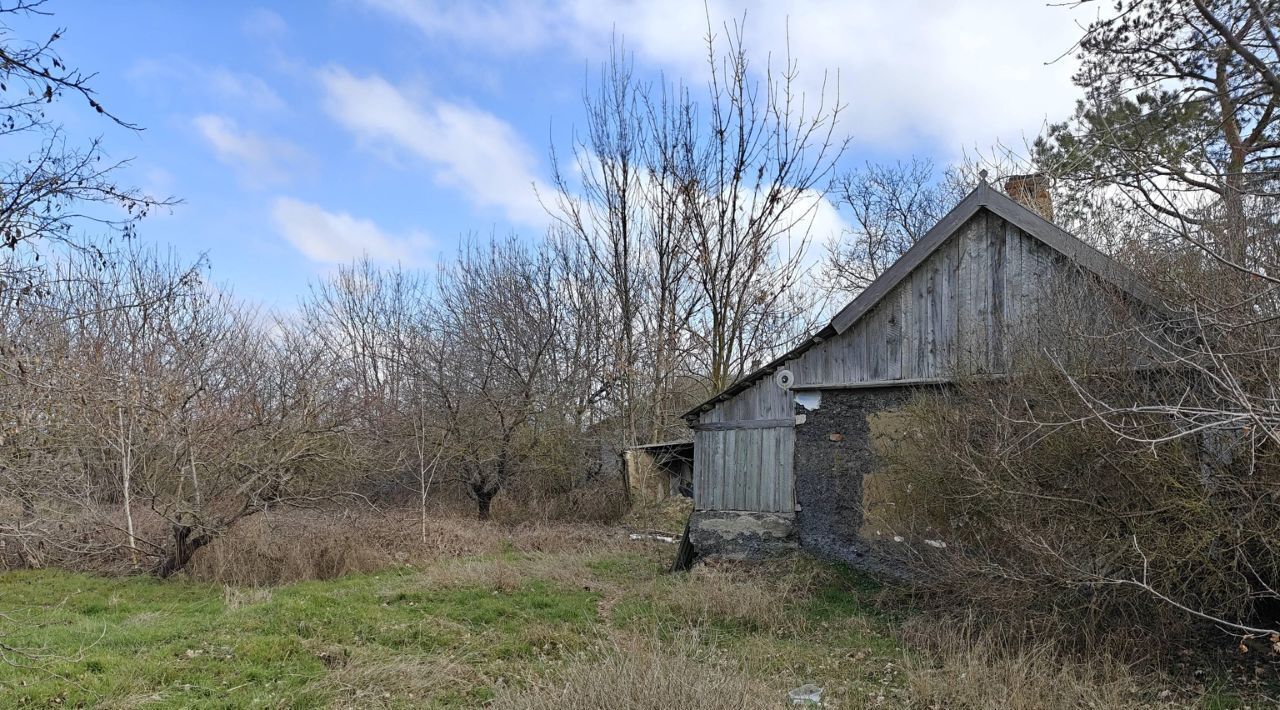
point(892, 207)
point(751, 179)
point(504, 359)
point(698, 213)
point(620, 202)
point(47, 191)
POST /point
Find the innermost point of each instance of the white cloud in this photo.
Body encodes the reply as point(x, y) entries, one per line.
point(950, 74)
point(337, 237)
point(259, 160)
point(174, 76)
point(470, 149)
point(521, 25)
point(264, 24)
point(244, 90)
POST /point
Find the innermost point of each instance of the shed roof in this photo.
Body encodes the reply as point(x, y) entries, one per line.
point(982, 196)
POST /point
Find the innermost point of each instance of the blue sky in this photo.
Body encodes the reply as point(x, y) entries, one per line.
point(302, 134)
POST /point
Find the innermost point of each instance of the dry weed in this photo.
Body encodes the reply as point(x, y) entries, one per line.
point(358, 681)
point(269, 549)
point(238, 597)
point(964, 670)
point(289, 546)
point(754, 596)
point(509, 574)
point(648, 674)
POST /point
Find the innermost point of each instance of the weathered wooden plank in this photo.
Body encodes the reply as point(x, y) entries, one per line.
point(971, 325)
point(699, 463)
point(701, 455)
point(921, 250)
point(872, 384)
point(1014, 289)
point(996, 279)
point(837, 356)
point(893, 336)
point(710, 491)
point(907, 321)
point(712, 469)
point(769, 470)
point(733, 477)
point(920, 304)
point(856, 365)
point(755, 470)
point(720, 470)
point(993, 202)
point(951, 315)
point(903, 316)
point(933, 292)
point(878, 333)
point(786, 453)
point(763, 471)
point(742, 462)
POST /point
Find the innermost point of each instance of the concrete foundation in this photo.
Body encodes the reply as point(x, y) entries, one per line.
point(742, 535)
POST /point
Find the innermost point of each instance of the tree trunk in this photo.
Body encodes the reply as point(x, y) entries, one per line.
point(126, 480)
point(183, 548)
point(484, 503)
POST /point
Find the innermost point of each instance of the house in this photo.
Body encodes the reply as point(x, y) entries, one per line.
point(782, 457)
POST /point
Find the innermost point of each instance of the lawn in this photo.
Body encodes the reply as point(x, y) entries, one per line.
point(512, 628)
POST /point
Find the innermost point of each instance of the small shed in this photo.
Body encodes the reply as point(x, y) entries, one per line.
point(780, 457)
point(659, 471)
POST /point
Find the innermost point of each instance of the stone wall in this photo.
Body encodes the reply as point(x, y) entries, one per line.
point(834, 458)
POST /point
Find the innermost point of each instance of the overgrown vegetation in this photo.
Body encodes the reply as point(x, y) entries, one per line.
point(1121, 477)
point(536, 617)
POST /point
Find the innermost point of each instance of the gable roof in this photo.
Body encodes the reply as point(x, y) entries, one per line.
point(982, 196)
point(1003, 206)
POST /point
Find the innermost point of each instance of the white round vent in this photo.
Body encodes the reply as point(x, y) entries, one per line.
point(784, 378)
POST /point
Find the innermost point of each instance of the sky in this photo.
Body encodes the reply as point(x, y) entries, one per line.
point(300, 135)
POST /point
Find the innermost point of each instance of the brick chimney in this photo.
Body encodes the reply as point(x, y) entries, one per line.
point(1032, 192)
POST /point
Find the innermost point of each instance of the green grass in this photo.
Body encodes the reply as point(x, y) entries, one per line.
point(400, 638)
point(456, 633)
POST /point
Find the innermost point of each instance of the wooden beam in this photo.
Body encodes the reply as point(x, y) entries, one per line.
point(745, 424)
point(873, 384)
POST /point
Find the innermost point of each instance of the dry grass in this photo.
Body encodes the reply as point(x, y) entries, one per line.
point(602, 503)
point(503, 574)
point(290, 546)
point(750, 596)
point(958, 667)
point(649, 674)
point(357, 681)
point(548, 616)
point(240, 597)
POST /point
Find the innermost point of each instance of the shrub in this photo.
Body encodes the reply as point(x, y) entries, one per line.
point(1043, 506)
